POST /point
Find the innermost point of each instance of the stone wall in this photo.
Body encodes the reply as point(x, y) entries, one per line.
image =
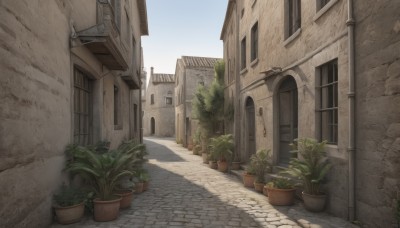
point(37, 101)
point(188, 80)
point(163, 114)
point(322, 38)
point(377, 45)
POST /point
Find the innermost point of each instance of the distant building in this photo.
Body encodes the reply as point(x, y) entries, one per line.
point(158, 118)
point(189, 73)
point(327, 70)
point(70, 73)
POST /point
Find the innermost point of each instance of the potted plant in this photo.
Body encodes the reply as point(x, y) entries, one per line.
point(221, 148)
point(102, 172)
point(235, 165)
point(69, 204)
point(249, 176)
point(311, 167)
point(212, 161)
point(144, 177)
point(125, 190)
point(261, 163)
point(280, 192)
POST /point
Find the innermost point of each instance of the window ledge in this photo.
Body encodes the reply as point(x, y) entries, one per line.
point(292, 37)
point(243, 71)
point(324, 9)
point(254, 62)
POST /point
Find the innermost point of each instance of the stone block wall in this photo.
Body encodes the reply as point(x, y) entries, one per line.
point(377, 45)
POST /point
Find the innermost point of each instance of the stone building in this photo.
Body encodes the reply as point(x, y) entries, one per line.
point(70, 73)
point(190, 71)
point(159, 112)
point(327, 70)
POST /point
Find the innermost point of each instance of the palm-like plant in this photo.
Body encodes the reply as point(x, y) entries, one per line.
point(102, 171)
point(261, 162)
point(311, 166)
point(222, 147)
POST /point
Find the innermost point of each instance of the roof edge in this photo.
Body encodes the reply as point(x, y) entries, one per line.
point(228, 15)
point(144, 27)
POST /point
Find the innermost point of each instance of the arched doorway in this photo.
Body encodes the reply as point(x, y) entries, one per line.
point(153, 125)
point(250, 128)
point(288, 118)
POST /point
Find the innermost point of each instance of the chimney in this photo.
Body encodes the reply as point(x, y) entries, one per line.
point(151, 71)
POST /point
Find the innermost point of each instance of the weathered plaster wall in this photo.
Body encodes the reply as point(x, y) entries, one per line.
point(163, 114)
point(320, 40)
point(377, 45)
point(34, 108)
point(36, 101)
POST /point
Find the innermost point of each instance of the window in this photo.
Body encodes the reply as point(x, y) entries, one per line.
point(254, 42)
point(168, 100)
point(117, 108)
point(152, 99)
point(293, 16)
point(82, 108)
point(321, 4)
point(328, 111)
point(243, 54)
point(242, 13)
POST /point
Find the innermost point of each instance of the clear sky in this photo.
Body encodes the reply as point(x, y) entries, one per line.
point(182, 27)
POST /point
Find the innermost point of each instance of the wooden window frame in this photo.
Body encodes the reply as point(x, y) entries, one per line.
point(254, 42)
point(83, 110)
point(243, 54)
point(328, 102)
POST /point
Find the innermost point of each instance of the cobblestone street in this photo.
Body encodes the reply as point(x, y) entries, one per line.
point(186, 193)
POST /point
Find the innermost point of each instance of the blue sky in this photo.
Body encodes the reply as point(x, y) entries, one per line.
point(182, 27)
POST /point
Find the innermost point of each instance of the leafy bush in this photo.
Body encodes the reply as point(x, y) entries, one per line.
point(280, 183)
point(312, 166)
point(69, 196)
point(261, 162)
point(103, 171)
point(222, 147)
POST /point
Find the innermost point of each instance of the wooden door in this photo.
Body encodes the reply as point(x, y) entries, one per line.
point(288, 118)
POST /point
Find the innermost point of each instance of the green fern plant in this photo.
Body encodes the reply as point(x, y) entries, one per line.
point(222, 147)
point(261, 162)
point(101, 171)
point(311, 166)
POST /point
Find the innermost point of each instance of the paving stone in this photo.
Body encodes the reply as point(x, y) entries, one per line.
point(186, 193)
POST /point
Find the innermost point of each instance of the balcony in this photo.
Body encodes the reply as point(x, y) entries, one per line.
point(103, 40)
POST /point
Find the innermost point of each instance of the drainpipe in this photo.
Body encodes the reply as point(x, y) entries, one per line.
point(351, 99)
point(237, 85)
point(184, 109)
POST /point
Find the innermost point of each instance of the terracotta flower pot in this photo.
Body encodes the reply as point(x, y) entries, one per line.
point(314, 203)
point(280, 197)
point(106, 210)
point(258, 186)
point(190, 147)
point(126, 198)
point(222, 166)
point(139, 187)
point(145, 186)
point(205, 159)
point(213, 164)
point(71, 214)
point(235, 165)
point(248, 180)
point(265, 191)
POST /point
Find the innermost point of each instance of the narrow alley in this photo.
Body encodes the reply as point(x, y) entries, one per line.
point(184, 192)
